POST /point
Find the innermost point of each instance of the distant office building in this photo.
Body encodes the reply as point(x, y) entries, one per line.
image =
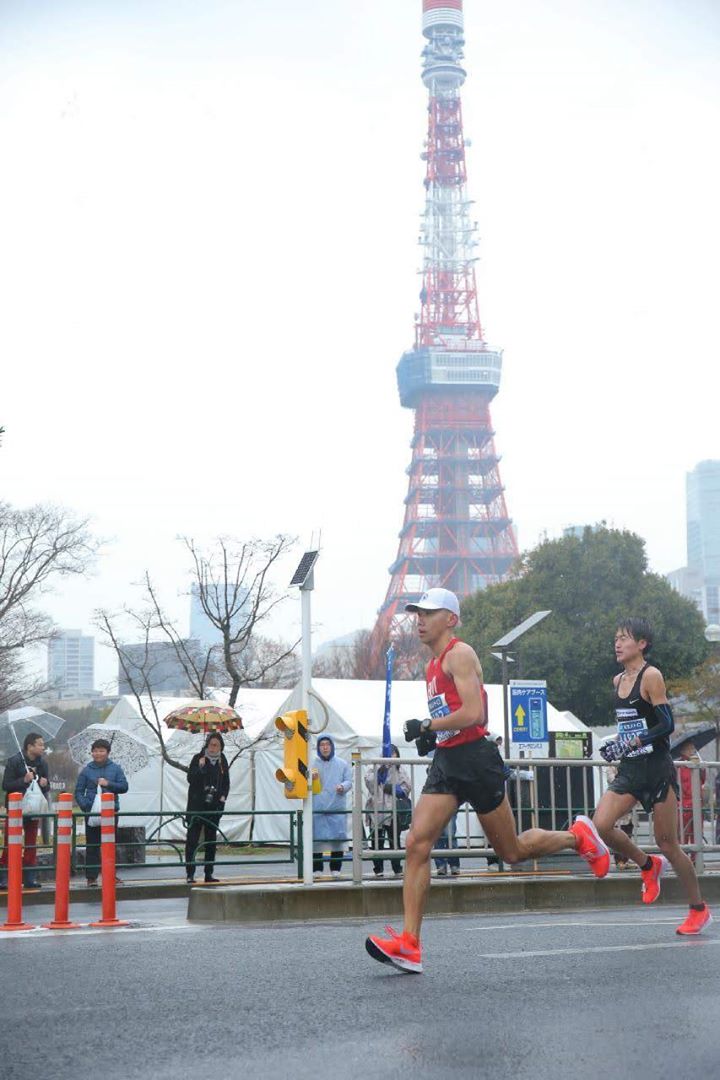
point(155, 667)
point(578, 531)
point(205, 631)
point(700, 579)
point(71, 664)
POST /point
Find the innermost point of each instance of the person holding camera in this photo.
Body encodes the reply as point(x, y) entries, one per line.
point(209, 780)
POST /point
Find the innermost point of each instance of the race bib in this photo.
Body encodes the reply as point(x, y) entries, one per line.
point(629, 724)
point(438, 706)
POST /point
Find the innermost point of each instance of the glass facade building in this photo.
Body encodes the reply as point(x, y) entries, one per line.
point(71, 664)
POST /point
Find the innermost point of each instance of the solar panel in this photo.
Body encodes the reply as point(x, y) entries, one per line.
point(518, 631)
point(304, 568)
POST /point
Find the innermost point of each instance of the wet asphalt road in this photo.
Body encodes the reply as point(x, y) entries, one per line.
point(610, 993)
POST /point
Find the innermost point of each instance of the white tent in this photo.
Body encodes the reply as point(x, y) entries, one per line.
point(349, 710)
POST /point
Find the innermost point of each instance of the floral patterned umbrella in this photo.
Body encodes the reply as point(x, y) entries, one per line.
point(128, 752)
point(204, 717)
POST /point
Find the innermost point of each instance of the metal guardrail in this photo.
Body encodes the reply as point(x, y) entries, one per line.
point(545, 793)
point(176, 845)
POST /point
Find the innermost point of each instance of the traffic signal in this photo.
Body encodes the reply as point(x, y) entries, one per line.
point(294, 773)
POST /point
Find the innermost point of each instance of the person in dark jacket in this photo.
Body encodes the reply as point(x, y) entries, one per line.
point(20, 771)
point(209, 780)
point(106, 774)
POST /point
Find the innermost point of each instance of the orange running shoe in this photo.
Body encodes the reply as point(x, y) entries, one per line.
point(695, 922)
point(401, 950)
point(651, 879)
point(589, 845)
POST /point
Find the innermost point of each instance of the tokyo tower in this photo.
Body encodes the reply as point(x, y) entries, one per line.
point(456, 530)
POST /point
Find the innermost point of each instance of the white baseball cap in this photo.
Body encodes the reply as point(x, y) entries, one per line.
point(435, 600)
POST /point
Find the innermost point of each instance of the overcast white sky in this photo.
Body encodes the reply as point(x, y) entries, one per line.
point(208, 271)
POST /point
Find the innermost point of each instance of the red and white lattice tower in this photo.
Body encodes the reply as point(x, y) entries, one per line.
point(456, 531)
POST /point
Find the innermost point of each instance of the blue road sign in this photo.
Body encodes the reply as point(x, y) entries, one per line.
point(528, 713)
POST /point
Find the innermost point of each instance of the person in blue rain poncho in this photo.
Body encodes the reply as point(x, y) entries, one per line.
point(330, 820)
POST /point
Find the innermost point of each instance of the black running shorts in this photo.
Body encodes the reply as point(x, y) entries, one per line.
point(648, 779)
point(473, 772)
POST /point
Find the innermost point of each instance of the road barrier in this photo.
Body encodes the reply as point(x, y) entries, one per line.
point(63, 855)
point(107, 863)
point(14, 839)
point(544, 792)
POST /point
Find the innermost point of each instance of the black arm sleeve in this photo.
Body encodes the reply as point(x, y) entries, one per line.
point(664, 724)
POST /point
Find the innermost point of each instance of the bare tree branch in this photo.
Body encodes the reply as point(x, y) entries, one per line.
point(38, 545)
point(139, 678)
point(233, 587)
point(364, 658)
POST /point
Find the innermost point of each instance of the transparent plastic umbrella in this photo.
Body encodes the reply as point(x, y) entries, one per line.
point(15, 724)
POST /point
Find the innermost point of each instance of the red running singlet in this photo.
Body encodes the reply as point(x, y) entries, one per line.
point(443, 699)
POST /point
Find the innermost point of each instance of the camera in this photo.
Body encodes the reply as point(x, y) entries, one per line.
point(210, 793)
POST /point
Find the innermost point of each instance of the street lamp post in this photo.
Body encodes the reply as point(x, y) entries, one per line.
point(503, 647)
point(304, 578)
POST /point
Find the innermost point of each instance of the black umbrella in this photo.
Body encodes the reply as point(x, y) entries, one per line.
point(700, 737)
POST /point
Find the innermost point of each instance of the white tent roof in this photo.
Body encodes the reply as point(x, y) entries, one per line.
point(353, 709)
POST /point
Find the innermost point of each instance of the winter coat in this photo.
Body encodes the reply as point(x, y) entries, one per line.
point(334, 771)
point(380, 799)
point(15, 769)
point(209, 776)
point(87, 782)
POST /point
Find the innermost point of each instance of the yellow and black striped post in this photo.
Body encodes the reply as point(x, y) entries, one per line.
point(294, 774)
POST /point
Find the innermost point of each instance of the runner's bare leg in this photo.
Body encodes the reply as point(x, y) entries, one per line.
point(611, 807)
point(666, 838)
point(430, 816)
point(499, 828)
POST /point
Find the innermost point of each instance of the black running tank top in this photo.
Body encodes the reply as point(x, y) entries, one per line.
point(635, 716)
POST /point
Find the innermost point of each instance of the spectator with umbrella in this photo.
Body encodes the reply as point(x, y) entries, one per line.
point(208, 778)
point(209, 786)
point(23, 769)
point(128, 753)
point(105, 774)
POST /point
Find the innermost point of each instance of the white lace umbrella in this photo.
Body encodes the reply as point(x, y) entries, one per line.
point(129, 753)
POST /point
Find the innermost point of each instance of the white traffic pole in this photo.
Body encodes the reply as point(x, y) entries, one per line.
point(305, 591)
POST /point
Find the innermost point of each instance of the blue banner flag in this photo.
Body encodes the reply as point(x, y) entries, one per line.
point(386, 719)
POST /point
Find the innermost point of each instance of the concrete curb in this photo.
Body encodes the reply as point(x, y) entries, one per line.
point(300, 903)
point(83, 895)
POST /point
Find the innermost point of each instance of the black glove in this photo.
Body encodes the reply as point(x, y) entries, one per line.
point(616, 750)
point(413, 729)
point(426, 743)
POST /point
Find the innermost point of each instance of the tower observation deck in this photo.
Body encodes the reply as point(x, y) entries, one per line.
point(456, 530)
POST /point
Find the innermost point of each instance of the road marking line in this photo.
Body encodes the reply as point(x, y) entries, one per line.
point(41, 932)
point(584, 926)
point(592, 949)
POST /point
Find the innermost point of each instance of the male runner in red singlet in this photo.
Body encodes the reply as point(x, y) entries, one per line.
point(466, 767)
point(646, 773)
